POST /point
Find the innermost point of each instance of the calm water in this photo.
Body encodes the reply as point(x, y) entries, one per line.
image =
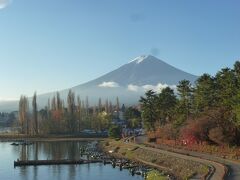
point(54, 150)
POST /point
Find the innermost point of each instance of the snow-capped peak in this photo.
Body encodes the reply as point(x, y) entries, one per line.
point(139, 59)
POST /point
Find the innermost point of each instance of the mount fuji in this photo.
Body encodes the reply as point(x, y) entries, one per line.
point(128, 82)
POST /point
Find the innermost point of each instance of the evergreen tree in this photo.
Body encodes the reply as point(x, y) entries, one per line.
point(166, 104)
point(236, 106)
point(184, 105)
point(133, 117)
point(204, 93)
point(226, 83)
point(148, 106)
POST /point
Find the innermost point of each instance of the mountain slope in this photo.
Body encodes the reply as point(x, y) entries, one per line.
point(128, 82)
point(144, 70)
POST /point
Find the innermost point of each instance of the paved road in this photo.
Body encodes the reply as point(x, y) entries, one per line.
point(219, 168)
point(233, 167)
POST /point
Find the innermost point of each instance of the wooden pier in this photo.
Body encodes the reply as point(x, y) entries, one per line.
point(54, 162)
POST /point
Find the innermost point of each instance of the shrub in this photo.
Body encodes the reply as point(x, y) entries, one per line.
point(216, 135)
point(189, 136)
point(114, 132)
point(167, 132)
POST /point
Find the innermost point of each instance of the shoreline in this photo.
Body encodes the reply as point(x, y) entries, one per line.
point(50, 138)
point(170, 166)
point(133, 152)
point(155, 172)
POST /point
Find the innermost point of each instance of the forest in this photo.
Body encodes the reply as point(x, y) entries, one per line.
point(56, 118)
point(207, 111)
point(73, 117)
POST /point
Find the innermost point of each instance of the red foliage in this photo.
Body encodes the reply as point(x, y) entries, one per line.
point(189, 137)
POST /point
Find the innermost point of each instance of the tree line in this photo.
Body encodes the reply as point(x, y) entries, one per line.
point(208, 110)
point(71, 117)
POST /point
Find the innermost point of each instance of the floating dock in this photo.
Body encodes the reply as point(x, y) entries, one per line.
point(53, 162)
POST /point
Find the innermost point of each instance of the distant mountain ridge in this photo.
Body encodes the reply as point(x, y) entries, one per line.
point(128, 82)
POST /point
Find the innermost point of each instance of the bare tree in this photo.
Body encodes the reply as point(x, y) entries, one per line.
point(23, 114)
point(106, 107)
point(99, 105)
point(79, 112)
point(35, 113)
point(117, 106)
point(87, 106)
point(53, 103)
point(110, 107)
point(71, 111)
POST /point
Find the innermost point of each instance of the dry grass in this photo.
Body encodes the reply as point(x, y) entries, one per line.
point(183, 169)
point(232, 153)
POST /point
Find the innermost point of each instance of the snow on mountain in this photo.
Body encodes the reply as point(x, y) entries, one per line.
point(139, 59)
point(144, 70)
point(128, 82)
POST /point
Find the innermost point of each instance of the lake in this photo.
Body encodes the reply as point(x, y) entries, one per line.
point(54, 150)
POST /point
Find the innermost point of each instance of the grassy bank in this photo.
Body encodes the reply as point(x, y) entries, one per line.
point(153, 175)
point(182, 169)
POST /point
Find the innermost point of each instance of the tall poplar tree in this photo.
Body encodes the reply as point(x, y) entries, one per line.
point(35, 113)
point(71, 111)
point(23, 114)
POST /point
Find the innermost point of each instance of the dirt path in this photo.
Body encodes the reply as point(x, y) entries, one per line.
point(233, 167)
point(218, 166)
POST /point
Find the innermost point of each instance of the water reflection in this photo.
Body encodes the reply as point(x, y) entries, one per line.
point(54, 151)
point(50, 151)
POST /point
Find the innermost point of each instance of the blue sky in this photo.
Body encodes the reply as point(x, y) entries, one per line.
point(51, 45)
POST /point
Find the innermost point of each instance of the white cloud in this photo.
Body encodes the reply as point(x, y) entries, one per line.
point(148, 87)
point(132, 87)
point(109, 84)
point(157, 88)
point(4, 3)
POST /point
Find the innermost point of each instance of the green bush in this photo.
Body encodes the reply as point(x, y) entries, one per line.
point(155, 175)
point(114, 132)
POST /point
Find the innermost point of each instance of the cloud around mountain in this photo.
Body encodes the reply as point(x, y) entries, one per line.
point(157, 88)
point(110, 84)
point(133, 88)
